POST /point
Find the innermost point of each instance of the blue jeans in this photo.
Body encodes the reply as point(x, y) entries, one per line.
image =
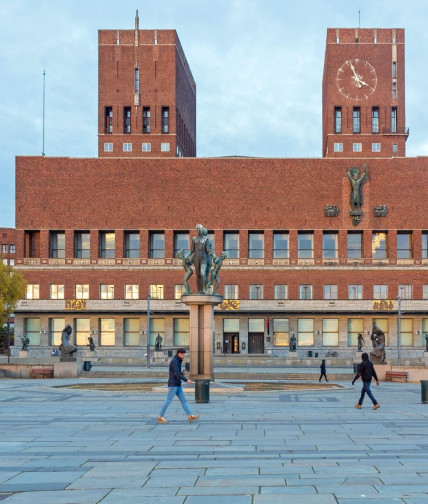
point(366, 390)
point(175, 391)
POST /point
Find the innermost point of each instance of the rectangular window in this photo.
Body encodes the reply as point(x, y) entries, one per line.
point(231, 244)
point(56, 291)
point(11, 248)
point(305, 332)
point(394, 148)
point(32, 243)
point(305, 291)
point(281, 332)
point(82, 331)
point(406, 332)
point(394, 90)
point(33, 291)
point(425, 291)
point(383, 326)
point(82, 244)
point(4, 248)
point(157, 328)
point(405, 291)
point(179, 290)
point(57, 244)
point(355, 245)
point(380, 291)
point(376, 147)
point(357, 147)
point(108, 122)
point(338, 147)
point(355, 327)
point(330, 332)
point(132, 244)
point(394, 69)
point(330, 246)
point(305, 244)
point(181, 332)
point(165, 147)
point(356, 120)
point(256, 245)
point(230, 325)
point(404, 245)
point(280, 291)
point(231, 292)
point(146, 147)
point(156, 291)
point(256, 325)
point(280, 245)
point(127, 147)
point(424, 331)
point(165, 119)
point(82, 291)
point(106, 291)
point(375, 120)
point(56, 326)
point(379, 245)
point(355, 291)
point(131, 330)
point(108, 147)
point(181, 242)
point(132, 291)
point(146, 119)
point(157, 245)
point(32, 330)
point(256, 291)
point(107, 245)
point(127, 119)
point(424, 245)
point(107, 332)
point(137, 80)
point(330, 291)
point(338, 119)
point(393, 119)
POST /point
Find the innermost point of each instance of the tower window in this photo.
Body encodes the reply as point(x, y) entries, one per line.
point(375, 120)
point(338, 119)
point(356, 120)
point(394, 90)
point(146, 119)
point(394, 120)
point(165, 119)
point(394, 69)
point(127, 119)
point(137, 80)
point(108, 120)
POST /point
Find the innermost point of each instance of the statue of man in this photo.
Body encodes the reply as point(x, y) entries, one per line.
point(202, 254)
point(158, 342)
point(67, 349)
point(356, 182)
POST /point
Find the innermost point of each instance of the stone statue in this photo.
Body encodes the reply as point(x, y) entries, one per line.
point(202, 257)
point(426, 342)
point(25, 342)
point(356, 181)
point(158, 342)
point(361, 342)
point(293, 343)
point(66, 348)
point(91, 344)
point(187, 265)
point(218, 263)
point(378, 340)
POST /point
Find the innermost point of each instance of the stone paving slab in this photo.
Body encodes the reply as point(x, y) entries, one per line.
point(63, 446)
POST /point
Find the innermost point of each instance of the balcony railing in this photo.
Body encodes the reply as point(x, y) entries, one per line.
point(396, 131)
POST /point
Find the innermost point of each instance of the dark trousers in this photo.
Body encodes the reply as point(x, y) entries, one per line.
point(325, 376)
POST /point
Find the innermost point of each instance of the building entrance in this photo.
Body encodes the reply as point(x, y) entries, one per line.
point(230, 343)
point(256, 343)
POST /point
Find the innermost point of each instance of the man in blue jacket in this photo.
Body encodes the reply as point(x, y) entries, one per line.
point(366, 371)
point(174, 387)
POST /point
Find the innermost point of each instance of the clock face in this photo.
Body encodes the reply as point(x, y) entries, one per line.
point(356, 79)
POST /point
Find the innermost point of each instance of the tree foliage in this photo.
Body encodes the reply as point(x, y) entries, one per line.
point(12, 289)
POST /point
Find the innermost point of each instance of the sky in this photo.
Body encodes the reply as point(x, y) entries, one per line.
point(257, 65)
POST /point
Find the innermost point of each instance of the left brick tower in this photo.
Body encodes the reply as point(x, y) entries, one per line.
point(146, 95)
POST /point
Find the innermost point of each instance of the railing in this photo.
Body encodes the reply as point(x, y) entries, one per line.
point(404, 130)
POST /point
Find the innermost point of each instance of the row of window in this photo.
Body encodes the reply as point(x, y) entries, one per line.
point(105, 332)
point(7, 248)
point(146, 120)
point(356, 120)
point(145, 147)
point(256, 245)
point(280, 291)
point(358, 147)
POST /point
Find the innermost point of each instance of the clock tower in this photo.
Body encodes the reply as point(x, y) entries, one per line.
point(364, 93)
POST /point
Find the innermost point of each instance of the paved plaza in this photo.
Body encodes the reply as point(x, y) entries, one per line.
point(70, 446)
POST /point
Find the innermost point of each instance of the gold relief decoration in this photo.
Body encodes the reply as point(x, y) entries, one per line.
point(383, 305)
point(230, 305)
point(75, 304)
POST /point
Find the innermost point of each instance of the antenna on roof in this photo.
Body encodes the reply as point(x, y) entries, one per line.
point(359, 19)
point(43, 120)
point(137, 21)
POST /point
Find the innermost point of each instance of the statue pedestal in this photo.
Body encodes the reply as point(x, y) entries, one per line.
point(23, 354)
point(66, 369)
point(201, 334)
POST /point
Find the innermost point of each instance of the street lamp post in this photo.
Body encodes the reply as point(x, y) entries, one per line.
point(148, 330)
point(399, 330)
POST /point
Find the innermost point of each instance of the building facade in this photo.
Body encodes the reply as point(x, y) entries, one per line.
point(317, 248)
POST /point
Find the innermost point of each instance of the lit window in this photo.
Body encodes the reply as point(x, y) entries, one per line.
point(156, 291)
point(165, 147)
point(56, 291)
point(106, 291)
point(131, 332)
point(179, 290)
point(33, 291)
point(146, 147)
point(406, 332)
point(157, 328)
point(127, 147)
point(132, 291)
point(108, 147)
point(107, 332)
point(82, 331)
point(355, 327)
point(256, 291)
point(280, 291)
point(82, 291)
point(375, 147)
point(330, 332)
point(32, 330)
point(181, 332)
point(357, 147)
point(107, 245)
point(305, 332)
point(281, 332)
point(56, 326)
point(338, 147)
point(379, 245)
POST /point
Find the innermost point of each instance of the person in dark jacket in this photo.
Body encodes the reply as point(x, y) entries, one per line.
point(366, 371)
point(176, 376)
point(323, 370)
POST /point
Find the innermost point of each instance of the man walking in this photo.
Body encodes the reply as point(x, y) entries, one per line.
point(366, 371)
point(323, 370)
point(174, 387)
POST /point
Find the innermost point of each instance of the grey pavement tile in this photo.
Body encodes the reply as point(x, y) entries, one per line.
point(374, 500)
point(288, 498)
point(225, 481)
point(58, 497)
point(233, 490)
point(133, 496)
point(220, 499)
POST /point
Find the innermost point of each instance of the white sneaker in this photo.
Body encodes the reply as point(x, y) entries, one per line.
point(161, 419)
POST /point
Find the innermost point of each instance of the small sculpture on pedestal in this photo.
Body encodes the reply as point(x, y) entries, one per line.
point(293, 343)
point(91, 344)
point(25, 342)
point(361, 342)
point(158, 342)
point(67, 349)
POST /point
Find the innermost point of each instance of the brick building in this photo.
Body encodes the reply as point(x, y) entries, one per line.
point(7, 246)
point(307, 254)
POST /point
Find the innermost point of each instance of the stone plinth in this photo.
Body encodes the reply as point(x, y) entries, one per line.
point(66, 369)
point(23, 354)
point(201, 334)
